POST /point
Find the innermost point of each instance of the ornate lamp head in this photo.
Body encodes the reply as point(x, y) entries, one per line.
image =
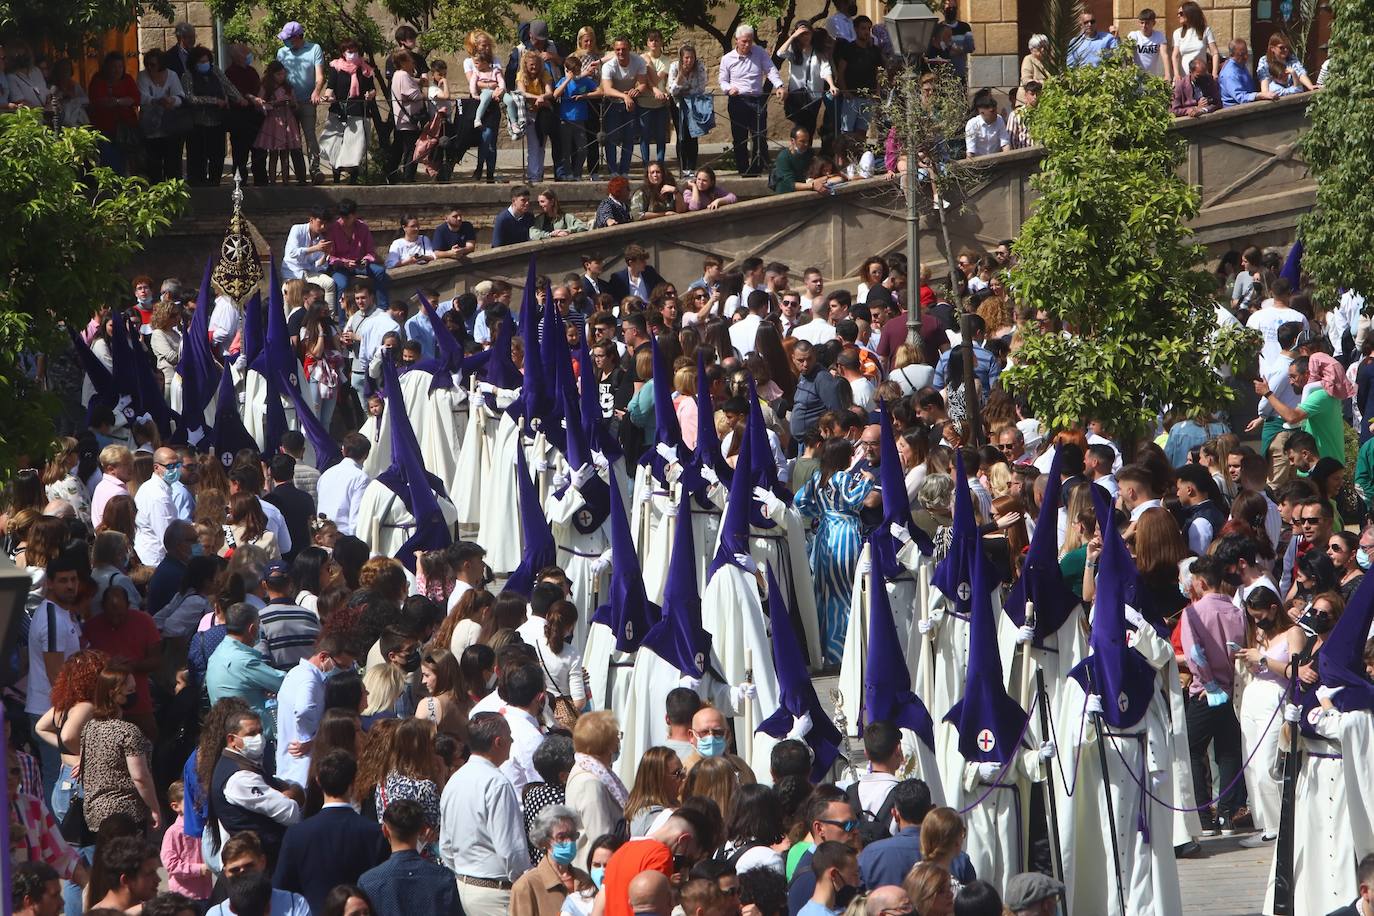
point(239, 271)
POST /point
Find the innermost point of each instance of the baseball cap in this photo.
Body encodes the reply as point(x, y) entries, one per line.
point(539, 30)
point(1029, 888)
point(292, 29)
point(276, 571)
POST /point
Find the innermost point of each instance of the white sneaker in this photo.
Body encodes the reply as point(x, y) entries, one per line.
point(1257, 840)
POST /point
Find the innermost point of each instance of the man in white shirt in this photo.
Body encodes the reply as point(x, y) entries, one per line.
point(341, 487)
point(224, 324)
point(154, 507)
point(815, 289)
point(470, 568)
point(306, 258)
point(986, 132)
point(743, 332)
point(1273, 312)
point(525, 692)
point(1097, 465)
point(481, 831)
point(818, 330)
point(54, 637)
point(245, 794)
point(790, 305)
point(860, 388)
point(249, 479)
point(1136, 490)
point(300, 705)
point(364, 332)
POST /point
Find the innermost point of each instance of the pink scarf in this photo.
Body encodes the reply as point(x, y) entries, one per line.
point(604, 776)
point(1325, 369)
point(353, 68)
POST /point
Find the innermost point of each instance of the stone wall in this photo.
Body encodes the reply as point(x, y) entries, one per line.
point(156, 32)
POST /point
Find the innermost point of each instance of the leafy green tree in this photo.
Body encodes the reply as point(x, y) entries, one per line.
point(1107, 251)
point(72, 24)
point(71, 230)
point(1336, 232)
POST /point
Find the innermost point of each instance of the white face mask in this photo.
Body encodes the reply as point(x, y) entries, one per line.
point(253, 746)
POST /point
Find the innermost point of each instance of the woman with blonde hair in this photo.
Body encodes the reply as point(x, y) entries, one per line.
point(685, 405)
point(594, 791)
point(445, 706)
point(909, 370)
point(657, 789)
point(61, 482)
point(487, 84)
point(713, 777)
point(942, 843)
point(541, 119)
point(165, 342)
point(930, 889)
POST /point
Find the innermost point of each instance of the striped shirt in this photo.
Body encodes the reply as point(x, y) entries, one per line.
point(289, 633)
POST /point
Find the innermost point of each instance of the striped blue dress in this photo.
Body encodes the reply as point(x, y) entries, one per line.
point(834, 550)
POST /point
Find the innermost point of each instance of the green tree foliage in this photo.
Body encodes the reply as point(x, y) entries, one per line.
point(1108, 252)
point(70, 25)
point(1336, 232)
point(326, 22)
point(71, 229)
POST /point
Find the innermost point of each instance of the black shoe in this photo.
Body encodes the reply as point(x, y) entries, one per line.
point(1209, 826)
point(1225, 825)
point(1189, 850)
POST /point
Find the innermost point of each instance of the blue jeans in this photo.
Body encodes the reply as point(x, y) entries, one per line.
point(381, 283)
point(49, 758)
point(71, 893)
point(653, 128)
point(486, 153)
point(63, 793)
point(621, 127)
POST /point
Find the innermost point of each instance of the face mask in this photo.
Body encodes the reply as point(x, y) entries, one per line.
point(710, 746)
point(145, 300)
point(248, 59)
point(844, 895)
point(203, 67)
point(171, 476)
point(1362, 557)
point(253, 747)
point(567, 640)
point(412, 662)
point(563, 853)
point(351, 56)
point(598, 873)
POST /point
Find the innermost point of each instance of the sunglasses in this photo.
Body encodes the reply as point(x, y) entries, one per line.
point(1314, 520)
point(847, 826)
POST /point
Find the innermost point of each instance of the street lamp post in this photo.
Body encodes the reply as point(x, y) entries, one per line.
point(910, 26)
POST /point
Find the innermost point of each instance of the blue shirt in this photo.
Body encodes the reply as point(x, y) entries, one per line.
point(236, 670)
point(300, 68)
point(509, 229)
point(887, 861)
point(418, 329)
point(407, 885)
point(570, 109)
point(284, 903)
point(1085, 51)
point(986, 368)
point(1237, 88)
point(1187, 435)
point(445, 238)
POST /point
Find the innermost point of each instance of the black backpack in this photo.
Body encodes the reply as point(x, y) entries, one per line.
point(873, 826)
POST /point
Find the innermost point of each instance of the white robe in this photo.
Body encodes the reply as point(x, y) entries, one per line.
point(434, 417)
point(1323, 841)
point(642, 719)
point(652, 530)
point(1356, 731)
point(997, 826)
point(476, 457)
point(385, 523)
point(784, 548)
point(499, 529)
point(578, 554)
point(734, 616)
point(608, 671)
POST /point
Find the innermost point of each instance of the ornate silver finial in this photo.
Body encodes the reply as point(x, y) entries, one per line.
point(239, 271)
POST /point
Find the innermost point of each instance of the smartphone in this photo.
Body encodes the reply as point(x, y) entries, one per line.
point(1232, 646)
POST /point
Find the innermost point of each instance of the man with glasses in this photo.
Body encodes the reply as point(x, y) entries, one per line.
point(888, 900)
point(829, 818)
point(1089, 45)
point(711, 736)
point(790, 305)
point(1312, 521)
point(1011, 442)
point(155, 510)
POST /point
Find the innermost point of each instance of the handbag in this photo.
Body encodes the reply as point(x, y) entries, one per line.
point(564, 707)
point(74, 828)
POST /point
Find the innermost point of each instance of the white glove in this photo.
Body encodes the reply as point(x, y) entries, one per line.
point(925, 626)
point(1094, 707)
point(581, 475)
point(1134, 618)
point(601, 563)
point(899, 532)
point(599, 459)
point(691, 683)
point(801, 726)
point(1025, 635)
point(1047, 750)
point(541, 465)
point(1292, 713)
point(742, 694)
point(710, 476)
point(670, 510)
point(1326, 693)
point(746, 562)
point(666, 452)
point(987, 772)
point(486, 388)
point(560, 481)
point(864, 567)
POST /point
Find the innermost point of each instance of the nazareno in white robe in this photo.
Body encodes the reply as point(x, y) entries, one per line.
point(385, 523)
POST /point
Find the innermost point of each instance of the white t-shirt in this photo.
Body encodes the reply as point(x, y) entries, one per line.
point(624, 78)
point(1190, 45)
point(1149, 51)
point(53, 629)
point(1267, 321)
